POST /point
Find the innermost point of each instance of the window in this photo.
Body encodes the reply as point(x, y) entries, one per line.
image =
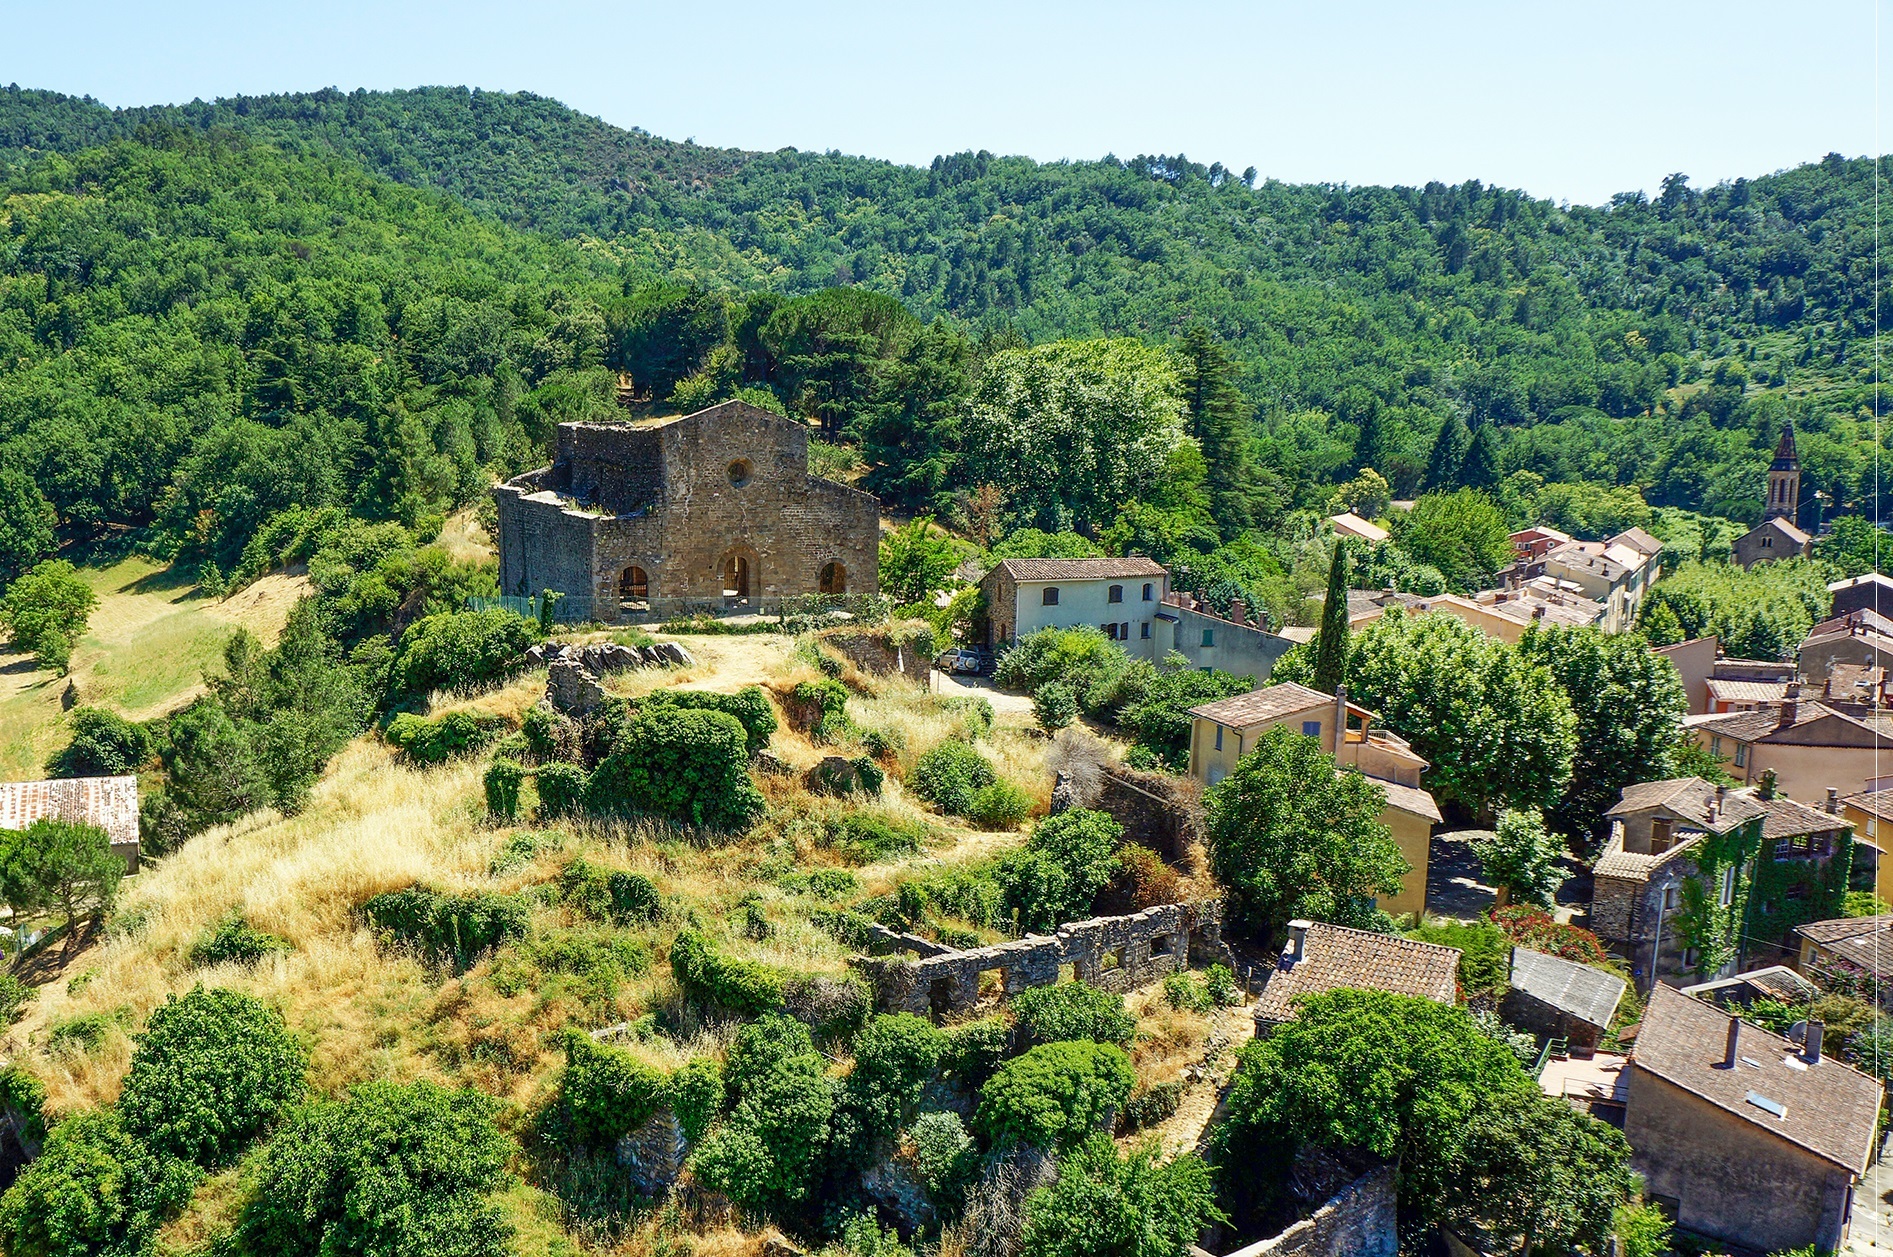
point(1124, 630)
point(1145, 626)
point(1798, 891)
point(1741, 755)
point(1672, 897)
point(1715, 746)
point(1115, 594)
point(1692, 956)
point(1148, 596)
point(739, 472)
point(1219, 737)
point(1728, 886)
point(1109, 630)
point(1209, 639)
point(1311, 728)
point(1049, 597)
point(1661, 835)
point(1768, 543)
point(834, 579)
point(634, 585)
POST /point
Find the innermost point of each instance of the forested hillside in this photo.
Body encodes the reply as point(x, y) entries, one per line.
point(1650, 344)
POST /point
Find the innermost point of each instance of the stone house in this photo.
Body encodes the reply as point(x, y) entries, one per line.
point(1555, 998)
point(1744, 1136)
point(1871, 592)
point(1863, 942)
point(1119, 597)
point(1862, 638)
point(1320, 957)
point(1222, 732)
point(1616, 573)
point(713, 511)
point(1810, 746)
point(111, 803)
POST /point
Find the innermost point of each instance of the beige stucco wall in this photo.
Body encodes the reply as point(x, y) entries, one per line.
point(1803, 773)
point(1732, 1180)
point(1876, 834)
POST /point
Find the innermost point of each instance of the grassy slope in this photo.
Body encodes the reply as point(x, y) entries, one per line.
point(144, 652)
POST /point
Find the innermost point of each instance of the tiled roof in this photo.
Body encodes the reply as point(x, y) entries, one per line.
point(1752, 670)
point(1271, 702)
point(1833, 931)
point(1335, 957)
point(1690, 798)
point(1753, 726)
point(111, 803)
point(1861, 617)
point(1079, 569)
point(1586, 993)
point(1870, 578)
point(1878, 803)
point(1640, 541)
point(1784, 818)
point(1829, 1108)
point(1776, 981)
point(1723, 690)
point(1409, 799)
point(1633, 866)
point(1349, 524)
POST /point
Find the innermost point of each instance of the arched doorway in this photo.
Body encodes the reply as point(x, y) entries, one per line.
point(736, 579)
point(834, 579)
point(634, 588)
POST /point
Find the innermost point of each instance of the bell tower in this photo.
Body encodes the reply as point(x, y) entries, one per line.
point(1784, 478)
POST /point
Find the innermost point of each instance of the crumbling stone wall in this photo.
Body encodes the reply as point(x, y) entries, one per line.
point(653, 1155)
point(1358, 1221)
point(1111, 953)
point(678, 497)
point(1157, 811)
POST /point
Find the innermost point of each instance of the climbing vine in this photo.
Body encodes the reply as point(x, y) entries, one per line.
point(1703, 921)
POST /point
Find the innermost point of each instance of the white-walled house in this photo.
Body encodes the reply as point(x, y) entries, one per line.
point(1120, 597)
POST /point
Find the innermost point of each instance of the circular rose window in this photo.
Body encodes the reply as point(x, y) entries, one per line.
point(739, 472)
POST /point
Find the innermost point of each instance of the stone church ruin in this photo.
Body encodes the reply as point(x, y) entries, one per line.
point(708, 512)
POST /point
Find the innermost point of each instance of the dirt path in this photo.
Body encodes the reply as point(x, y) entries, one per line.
point(1183, 1130)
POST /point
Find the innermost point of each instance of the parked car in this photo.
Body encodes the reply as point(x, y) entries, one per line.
point(965, 661)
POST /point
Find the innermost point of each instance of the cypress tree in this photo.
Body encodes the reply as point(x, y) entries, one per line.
point(1216, 420)
point(1331, 641)
point(1448, 457)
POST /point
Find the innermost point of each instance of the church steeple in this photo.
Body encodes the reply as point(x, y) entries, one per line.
point(1784, 478)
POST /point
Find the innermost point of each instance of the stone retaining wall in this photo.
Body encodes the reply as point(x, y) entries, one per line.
point(1111, 953)
point(1357, 1221)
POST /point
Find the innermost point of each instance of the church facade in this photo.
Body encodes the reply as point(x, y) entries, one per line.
point(709, 512)
point(1778, 536)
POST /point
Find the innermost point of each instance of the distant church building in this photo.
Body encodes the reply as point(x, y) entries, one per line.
point(713, 511)
point(1777, 537)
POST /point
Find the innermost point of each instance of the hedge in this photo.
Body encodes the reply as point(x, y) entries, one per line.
point(456, 928)
point(741, 986)
point(1055, 1095)
point(435, 741)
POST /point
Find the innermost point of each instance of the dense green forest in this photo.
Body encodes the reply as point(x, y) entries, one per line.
point(377, 299)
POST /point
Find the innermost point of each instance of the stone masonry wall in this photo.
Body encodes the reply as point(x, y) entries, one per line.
point(1111, 953)
point(1358, 1221)
point(1156, 811)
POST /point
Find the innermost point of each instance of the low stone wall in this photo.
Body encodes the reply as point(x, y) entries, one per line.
point(1357, 1221)
point(1156, 811)
point(883, 941)
point(653, 1155)
point(1111, 953)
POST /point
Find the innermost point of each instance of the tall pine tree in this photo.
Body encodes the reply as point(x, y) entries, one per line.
point(1484, 466)
point(1444, 464)
point(1331, 641)
point(1216, 420)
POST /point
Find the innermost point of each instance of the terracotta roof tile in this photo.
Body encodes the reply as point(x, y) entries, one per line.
point(111, 803)
point(1079, 569)
point(1784, 818)
point(1271, 702)
point(1828, 1108)
point(1335, 957)
point(1690, 798)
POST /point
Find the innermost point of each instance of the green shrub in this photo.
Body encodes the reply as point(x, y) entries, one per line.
point(883, 743)
point(1183, 992)
point(975, 713)
point(1055, 1095)
point(969, 893)
point(766, 1153)
point(234, 939)
point(548, 735)
point(562, 790)
point(1054, 705)
point(93, 1190)
point(81, 1035)
point(893, 1059)
point(974, 1049)
point(832, 1008)
point(999, 806)
point(390, 1169)
point(462, 650)
point(1057, 875)
point(609, 894)
point(1111, 1204)
point(447, 929)
point(738, 985)
point(15, 995)
point(1071, 1010)
point(589, 967)
point(682, 764)
point(23, 1102)
point(502, 782)
point(944, 1156)
point(1079, 658)
point(850, 929)
point(871, 837)
point(104, 744)
point(606, 1091)
point(522, 849)
point(831, 697)
point(750, 705)
point(1485, 954)
point(949, 775)
point(1150, 1105)
point(424, 741)
point(211, 1071)
point(1221, 982)
point(829, 884)
point(695, 1094)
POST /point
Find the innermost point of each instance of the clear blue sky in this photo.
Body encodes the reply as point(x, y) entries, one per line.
point(1568, 100)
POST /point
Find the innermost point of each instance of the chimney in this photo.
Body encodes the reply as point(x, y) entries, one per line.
point(1538, 613)
point(1238, 614)
point(1735, 1043)
point(1811, 1050)
point(1297, 949)
point(1833, 801)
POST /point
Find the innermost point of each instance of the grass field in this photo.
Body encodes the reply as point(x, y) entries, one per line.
point(144, 653)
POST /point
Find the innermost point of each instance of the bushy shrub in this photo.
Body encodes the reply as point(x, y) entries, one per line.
point(1055, 1095)
point(548, 735)
point(562, 790)
point(501, 783)
point(949, 775)
point(390, 1169)
point(974, 1049)
point(1071, 1010)
point(1057, 875)
point(1078, 658)
point(520, 849)
point(104, 744)
point(1150, 1105)
point(1185, 993)
point(975, 713)
point(587, 967)
point(1537, 929)
point(462, 650)
point(765, 1153)
point(234, 939)
point(609, 894)
point(703, 973)
point(1485, 954)
point(695, 1093)
point(893, 1059)
point(750, 705)
point(15, 995)
point(606, 1091)
point(81, 1035)
point(830, 698)
point(1110, 1204)
point(1142, 880)
point(686, 765)
point(93, 1190)
point(23, 1102)
point(211, 1071)
point(944, 1156)
point(999, 806)
point(832, 1008)
point(424, 741)
point(883, 743)
point(873, 836)
point(447, 929)
point(850, 929)
point(1054, 706)
point(829, 884)
point(970, 894)
point(1221, 983)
